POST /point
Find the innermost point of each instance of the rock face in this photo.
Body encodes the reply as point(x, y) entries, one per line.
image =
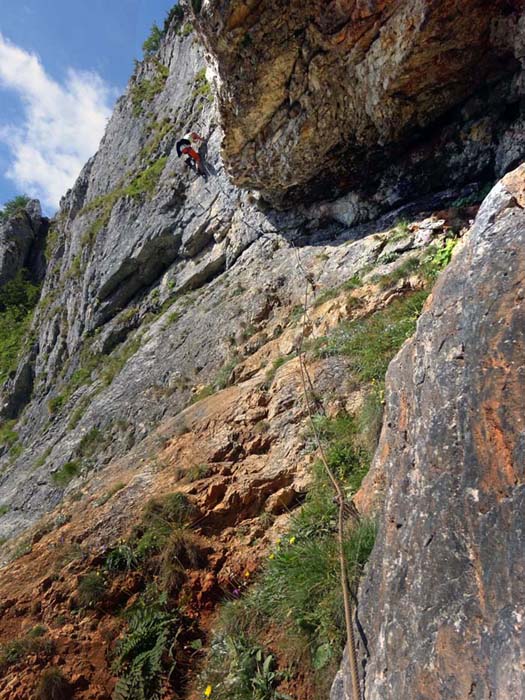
point(317, 97)
point(443, 604)
point(162, 289)
point(135, 241)
point(242, 454)
point(22, 240)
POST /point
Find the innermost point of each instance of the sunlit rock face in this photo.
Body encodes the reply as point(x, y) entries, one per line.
point(316, 97)
point(442, 605)
point(22, 239)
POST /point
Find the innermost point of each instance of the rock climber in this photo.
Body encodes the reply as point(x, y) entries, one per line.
point(194, 147)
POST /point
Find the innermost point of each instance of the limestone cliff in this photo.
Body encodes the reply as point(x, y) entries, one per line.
point(332, 96)
point(155, 435)
point(442, 603)
point(22, 239)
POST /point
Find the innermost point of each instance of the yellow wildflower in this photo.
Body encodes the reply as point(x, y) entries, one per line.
point(207, 692)
point(272, 556)
point(291, 540)
point(246, 574)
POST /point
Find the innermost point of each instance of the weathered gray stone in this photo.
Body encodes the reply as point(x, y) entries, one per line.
point(22, 241)
point(19, 388)
point(444, 598)
point(157, 277)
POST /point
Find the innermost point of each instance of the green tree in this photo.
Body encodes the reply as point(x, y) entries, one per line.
point(13, 206)
point(176, 14)
point(17, 301)
point(152, 43)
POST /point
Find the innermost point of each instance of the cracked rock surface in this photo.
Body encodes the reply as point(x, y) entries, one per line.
point(22, 240)
point(162, 353)
point(443, 604)
point(320, 97)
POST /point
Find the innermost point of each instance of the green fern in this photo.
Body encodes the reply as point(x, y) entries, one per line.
point(144, 654)
point(444, 255)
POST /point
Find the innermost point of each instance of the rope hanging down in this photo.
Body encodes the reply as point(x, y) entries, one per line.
point(345, 507)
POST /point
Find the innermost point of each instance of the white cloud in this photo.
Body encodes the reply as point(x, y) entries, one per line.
point(59, 128)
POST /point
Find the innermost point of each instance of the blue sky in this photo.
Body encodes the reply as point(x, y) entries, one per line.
point(62, 65)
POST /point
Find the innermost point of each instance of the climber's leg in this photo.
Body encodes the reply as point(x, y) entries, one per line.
point(203, 152)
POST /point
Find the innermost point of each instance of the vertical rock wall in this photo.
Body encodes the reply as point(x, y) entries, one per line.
point(443, 604)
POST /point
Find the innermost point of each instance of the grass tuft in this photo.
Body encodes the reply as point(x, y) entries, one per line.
point(353, 283)
point(14, 206)
point(410, 266)
point(53, 685)
point(8, 436)
point(371, 343)
point(144, 91)
point(16, 650)
point(161, 516)
point(112, 491)
point(194, 473)
point(276, 365)
point(145, 184)
point(221, 381)
point(202, 87)
point(66, 473)
point(180, 552)
point(91, 589)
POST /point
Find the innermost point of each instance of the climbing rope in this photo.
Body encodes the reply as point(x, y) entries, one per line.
point(345, 508)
